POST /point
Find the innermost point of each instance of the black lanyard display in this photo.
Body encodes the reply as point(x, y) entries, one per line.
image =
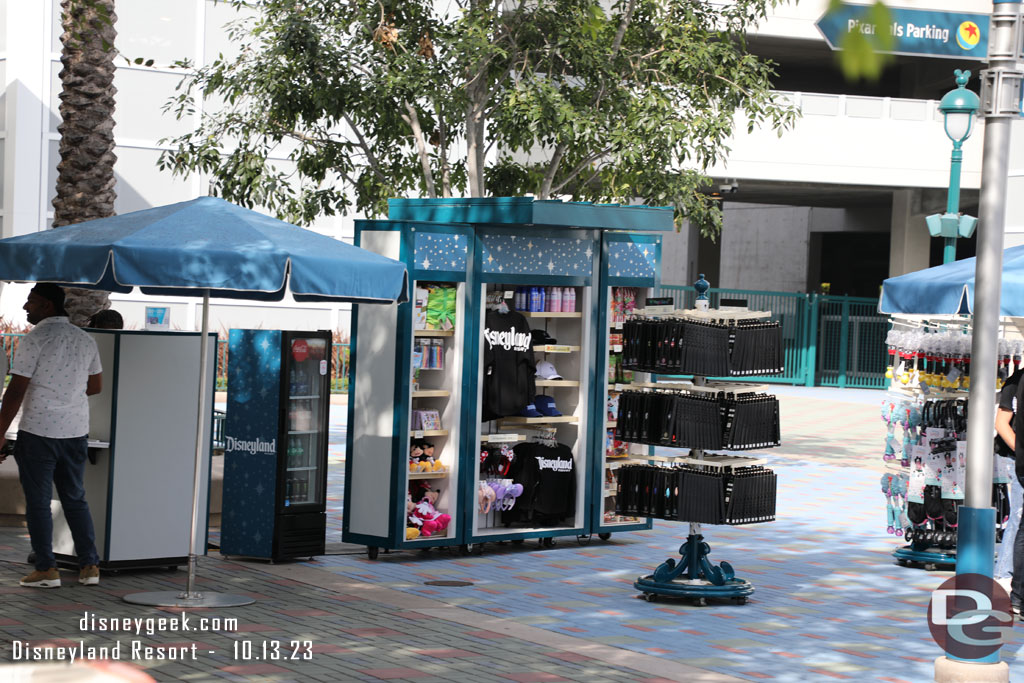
point(745, 495)
point(687, 347)
point(706, 421)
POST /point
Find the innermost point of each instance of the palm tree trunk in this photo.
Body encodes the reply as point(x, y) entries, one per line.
point(85, 174)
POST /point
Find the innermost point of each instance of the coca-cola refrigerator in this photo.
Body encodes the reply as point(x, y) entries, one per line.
point(275, 454)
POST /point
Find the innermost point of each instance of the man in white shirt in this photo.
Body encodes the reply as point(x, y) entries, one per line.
point(56, 368)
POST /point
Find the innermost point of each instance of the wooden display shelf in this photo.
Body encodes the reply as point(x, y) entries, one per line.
point(418, 433)
point(561, 419)
point(551, 314)
point(557, 383)
point(556, 348)
point(433, 333)
point(428, 475)
point(431, 393)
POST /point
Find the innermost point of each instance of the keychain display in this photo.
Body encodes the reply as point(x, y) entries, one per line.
point(702, 420)
point(925, 492)
point(941, 357)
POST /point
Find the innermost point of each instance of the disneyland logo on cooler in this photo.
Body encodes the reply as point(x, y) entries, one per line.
point(508, 340)
point(253, 447)
point(554, 465)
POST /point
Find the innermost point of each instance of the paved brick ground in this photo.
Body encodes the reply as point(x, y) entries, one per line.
point(830, 603)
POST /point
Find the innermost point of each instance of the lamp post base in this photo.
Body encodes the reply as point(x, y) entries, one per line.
point(955, 671)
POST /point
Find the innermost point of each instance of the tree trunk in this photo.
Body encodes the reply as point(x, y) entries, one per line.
point(85, 174)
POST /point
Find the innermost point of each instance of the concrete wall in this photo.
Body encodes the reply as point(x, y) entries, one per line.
point(764, 247)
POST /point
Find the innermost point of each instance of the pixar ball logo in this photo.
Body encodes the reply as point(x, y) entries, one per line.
point(967, 35)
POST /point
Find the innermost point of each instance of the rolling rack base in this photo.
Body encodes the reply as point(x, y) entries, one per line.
point(929, 558)
point(694, 578)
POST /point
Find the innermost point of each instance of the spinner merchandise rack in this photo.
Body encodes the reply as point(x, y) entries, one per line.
point(929, 369)
point(695, 576)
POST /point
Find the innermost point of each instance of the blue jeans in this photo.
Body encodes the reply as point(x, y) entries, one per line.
point(42, 464)
point(1004, 562)
point(1017, 584)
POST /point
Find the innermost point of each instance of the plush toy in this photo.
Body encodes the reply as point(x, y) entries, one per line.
point(426, 517)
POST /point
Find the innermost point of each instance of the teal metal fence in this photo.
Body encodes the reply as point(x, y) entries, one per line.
point(828, 340)
point(851, 342)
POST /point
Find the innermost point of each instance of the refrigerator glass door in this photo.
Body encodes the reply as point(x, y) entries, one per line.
point(305, 376)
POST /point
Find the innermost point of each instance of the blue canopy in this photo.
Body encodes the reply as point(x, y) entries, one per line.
point(199, 246)
point(949, 289)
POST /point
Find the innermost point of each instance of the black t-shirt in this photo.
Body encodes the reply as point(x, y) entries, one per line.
point(548, 477)
point(509, 365)
point(1008, 398)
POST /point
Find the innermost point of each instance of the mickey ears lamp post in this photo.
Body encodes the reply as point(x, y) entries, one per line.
point(958, 108)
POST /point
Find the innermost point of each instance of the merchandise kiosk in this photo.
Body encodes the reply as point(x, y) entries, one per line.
point(478, 411)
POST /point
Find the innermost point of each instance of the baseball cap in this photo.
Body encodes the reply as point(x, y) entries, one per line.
point(541, 338)
point(545, 370)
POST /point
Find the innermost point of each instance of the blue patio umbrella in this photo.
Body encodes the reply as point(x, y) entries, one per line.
point(210, 248)
point(949, 289)
point(205, 245)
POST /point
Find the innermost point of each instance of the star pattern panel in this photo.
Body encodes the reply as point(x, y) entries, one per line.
point(250, 479)
point(524, 255)
point(441, 251)
point(632, 259)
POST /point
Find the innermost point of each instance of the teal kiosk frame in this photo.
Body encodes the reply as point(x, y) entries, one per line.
point(480, 246)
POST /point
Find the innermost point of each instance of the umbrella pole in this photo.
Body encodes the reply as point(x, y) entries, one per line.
point(204, 349)
point(191, 598)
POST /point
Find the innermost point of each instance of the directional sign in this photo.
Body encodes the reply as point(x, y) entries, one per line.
point(915, 32)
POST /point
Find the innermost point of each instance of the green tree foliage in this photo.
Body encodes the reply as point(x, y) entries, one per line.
point(419, 98)
point(865, 55)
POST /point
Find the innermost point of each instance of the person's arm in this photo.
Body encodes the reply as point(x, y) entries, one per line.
point(13, 397)
point(1004, 428)
point(94, 385)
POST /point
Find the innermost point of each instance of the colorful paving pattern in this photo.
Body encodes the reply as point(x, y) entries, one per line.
point(830, 600)
point(830, 604)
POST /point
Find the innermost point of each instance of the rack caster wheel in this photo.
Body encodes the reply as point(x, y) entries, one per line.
point(372, 551)
point(700, 602)
point(605, 536)
point(741, 600)
point(547, 542)
point(930, 567)
point(584, 539)
point(650, 597)
point(902, 562)
point(472, 549)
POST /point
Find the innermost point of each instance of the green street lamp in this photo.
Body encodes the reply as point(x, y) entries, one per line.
point(958, 108)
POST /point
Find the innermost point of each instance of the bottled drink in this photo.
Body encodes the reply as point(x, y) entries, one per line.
point(534, 299)
point(569, 300)
point(518, 301)
point(542, 299)
point(556, 299)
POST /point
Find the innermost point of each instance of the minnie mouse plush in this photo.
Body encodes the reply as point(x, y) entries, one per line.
point(426, 517)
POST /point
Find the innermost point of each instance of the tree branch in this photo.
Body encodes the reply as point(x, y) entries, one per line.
point(556, 157)
point(371, 158)
point(413, 119)
point(580, 166)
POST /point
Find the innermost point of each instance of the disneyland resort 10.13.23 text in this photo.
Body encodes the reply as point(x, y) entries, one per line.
point(141, 648)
